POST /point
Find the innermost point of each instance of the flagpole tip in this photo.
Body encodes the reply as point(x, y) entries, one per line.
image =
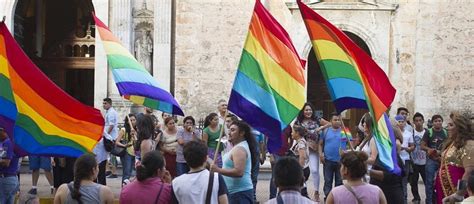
point(4, 18)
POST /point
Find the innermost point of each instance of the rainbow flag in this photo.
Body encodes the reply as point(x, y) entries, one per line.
point(269, 87)
point(133, 81)
point(353, 78)
point(39, 117)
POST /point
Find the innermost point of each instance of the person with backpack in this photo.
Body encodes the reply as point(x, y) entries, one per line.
point(418, 157)
point(353, 169)
point(432, 143)
point(331, 144)
point(199, 185)
point(152, 184)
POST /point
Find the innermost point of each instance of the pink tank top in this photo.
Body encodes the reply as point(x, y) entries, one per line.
point(367, 193)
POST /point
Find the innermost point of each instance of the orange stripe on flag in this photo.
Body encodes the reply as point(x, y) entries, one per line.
point(277, 50)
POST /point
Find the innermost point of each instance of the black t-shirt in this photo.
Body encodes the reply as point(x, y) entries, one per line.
point(436, 140)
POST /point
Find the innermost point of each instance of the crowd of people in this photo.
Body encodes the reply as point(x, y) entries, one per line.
point(163, 162)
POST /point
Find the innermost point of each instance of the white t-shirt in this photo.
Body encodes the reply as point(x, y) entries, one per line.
point(418, 155)
point(192, 187)
point(407, 139)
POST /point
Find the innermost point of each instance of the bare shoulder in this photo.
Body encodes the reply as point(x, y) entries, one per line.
point(106, 193)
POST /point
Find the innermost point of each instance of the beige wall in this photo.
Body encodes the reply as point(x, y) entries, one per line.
point(209, 39)
point(434, 70)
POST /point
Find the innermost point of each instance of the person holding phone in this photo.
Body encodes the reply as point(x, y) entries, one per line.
point(184, 135)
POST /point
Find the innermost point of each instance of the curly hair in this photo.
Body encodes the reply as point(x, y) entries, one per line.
point(464, 130)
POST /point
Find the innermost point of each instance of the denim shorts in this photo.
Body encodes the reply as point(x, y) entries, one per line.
point(39, 162)
point(242, 197)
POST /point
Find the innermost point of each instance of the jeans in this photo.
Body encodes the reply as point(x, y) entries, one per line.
point(273, 188)
point(254, 176)
point(331, 172)
point(101, 176)
point(8, 188)
point(304, 190)
point(314, 168)
point(242, 197)
point(127, 164)
point(181, 168)
point(431, 168)
point(405, 180)
point(413, 178)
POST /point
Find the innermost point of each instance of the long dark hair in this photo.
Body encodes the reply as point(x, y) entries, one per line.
point(126, 125)
point(145, 130)
point(243, 126)
point(151, 162)
point(300, 117)
point(208, 119)
point(83, 169)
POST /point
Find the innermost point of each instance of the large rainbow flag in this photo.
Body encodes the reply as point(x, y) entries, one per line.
point(354, 79)
point(39, 117)
point(133, 81)
point(269, 87)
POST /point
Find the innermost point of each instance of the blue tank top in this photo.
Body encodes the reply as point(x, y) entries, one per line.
point(244, 183)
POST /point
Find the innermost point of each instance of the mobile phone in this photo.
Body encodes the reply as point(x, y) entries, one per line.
point(462, 185)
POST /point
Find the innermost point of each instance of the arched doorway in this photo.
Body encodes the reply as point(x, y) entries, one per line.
point(318, 93)
point(59, 37)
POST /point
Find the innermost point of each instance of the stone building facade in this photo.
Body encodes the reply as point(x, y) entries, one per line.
point(425, 47)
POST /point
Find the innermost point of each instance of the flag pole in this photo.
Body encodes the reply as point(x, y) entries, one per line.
point(345, 134)
point(220, 136)
point(4, 18)
point(126, 114)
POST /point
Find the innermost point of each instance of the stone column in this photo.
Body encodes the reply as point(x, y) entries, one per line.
point(8, 10)
point(121, 26)
point(101, 75)
point(162, 42)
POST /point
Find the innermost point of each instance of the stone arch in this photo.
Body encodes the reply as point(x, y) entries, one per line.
point(356, 29)
point(317, 90)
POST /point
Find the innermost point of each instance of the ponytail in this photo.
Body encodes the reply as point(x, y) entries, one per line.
point(250, 138)
point(83, 169)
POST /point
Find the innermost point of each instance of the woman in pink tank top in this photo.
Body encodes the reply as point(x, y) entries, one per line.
point(355, 190)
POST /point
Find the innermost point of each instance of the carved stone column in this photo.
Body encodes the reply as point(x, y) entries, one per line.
point(162, 42)
point(101, 73)
point(121, 26)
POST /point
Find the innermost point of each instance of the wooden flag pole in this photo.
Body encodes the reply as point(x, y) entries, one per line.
point(126, 114)
point(220, 136)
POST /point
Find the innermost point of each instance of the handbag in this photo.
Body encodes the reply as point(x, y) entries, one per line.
point(108, 144)
point(118, 151)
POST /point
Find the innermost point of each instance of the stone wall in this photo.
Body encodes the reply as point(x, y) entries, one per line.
point(209, 39)
point(435, 62)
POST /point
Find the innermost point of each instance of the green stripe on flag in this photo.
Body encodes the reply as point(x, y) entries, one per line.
point(338, 69)
point(6, 88)
point(44, 139)
point(250, 67)
point(123, 62)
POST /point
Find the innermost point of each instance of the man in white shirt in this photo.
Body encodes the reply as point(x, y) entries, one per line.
point(192, 187)
point(418, 156)
point(110, 132)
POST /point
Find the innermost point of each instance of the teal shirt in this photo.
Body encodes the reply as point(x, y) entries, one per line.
point(236, 184)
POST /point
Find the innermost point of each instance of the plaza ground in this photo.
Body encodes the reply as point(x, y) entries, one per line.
point(114, 184)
